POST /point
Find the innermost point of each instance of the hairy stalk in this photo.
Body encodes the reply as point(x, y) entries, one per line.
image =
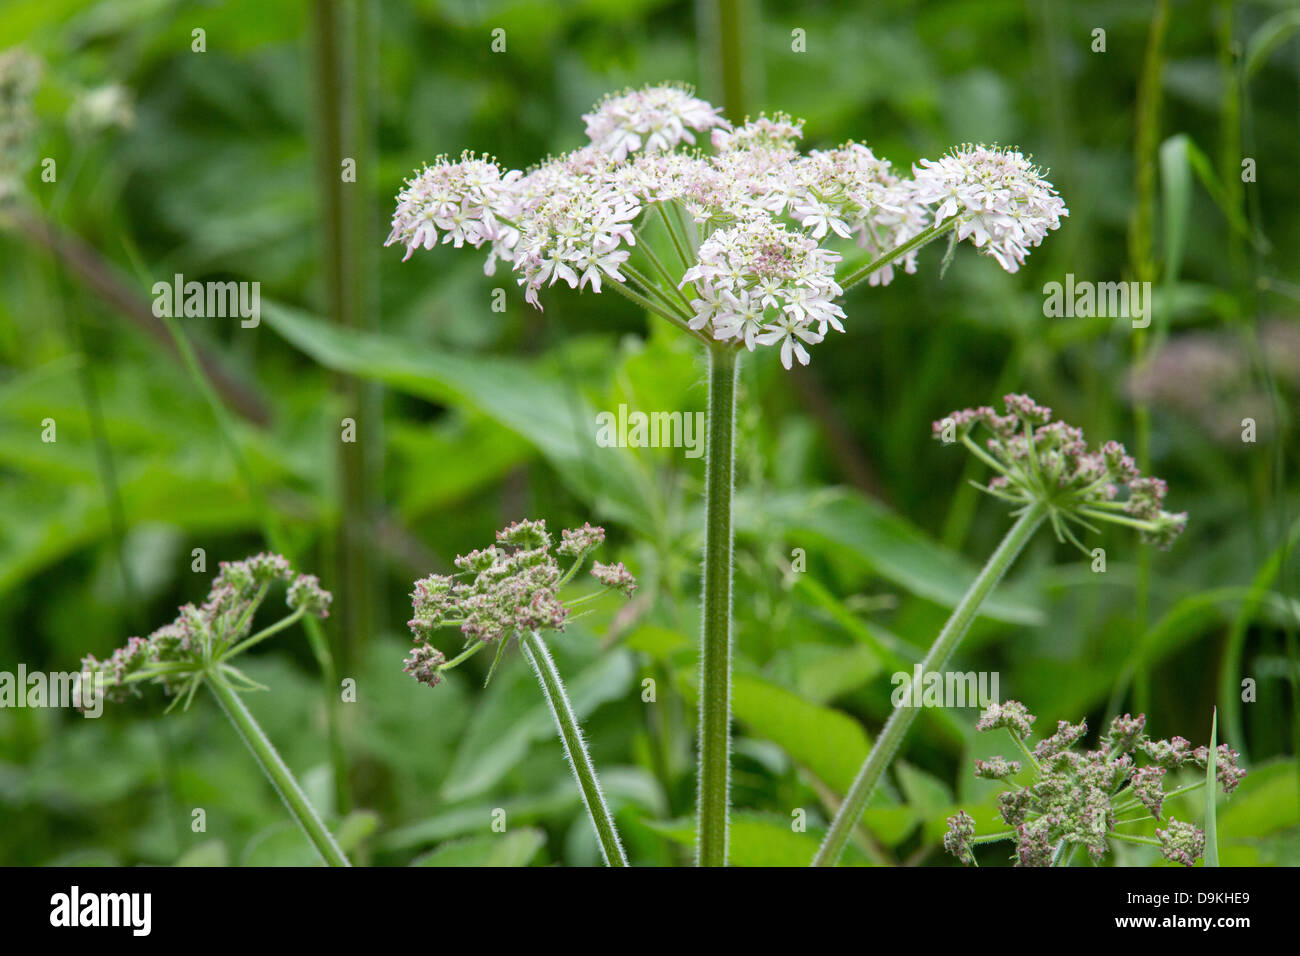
point(715, 643)
point(276, 771)
point(575, 749)
point(887, 744)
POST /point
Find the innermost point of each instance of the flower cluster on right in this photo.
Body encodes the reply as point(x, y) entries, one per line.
point(1040, 460)
point(1083, 799)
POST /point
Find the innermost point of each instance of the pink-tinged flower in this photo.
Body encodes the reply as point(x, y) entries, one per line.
point(653, 118)
point(1001, 200)
point(757, 224)
point(614, 576)
point(1049, 462)
point(508, 588)
point(1181, 842)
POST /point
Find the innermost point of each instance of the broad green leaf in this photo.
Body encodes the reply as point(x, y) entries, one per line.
point(208, 853)
point(883, 542)
point(547, 413)
point(512, 848)
point(830, 743)
point(513, 714)
point(762, 840)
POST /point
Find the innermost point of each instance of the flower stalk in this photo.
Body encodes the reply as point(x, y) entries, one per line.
point(887, 744)
point(510, 591)
point(268, 758)
point(715, 640)
point(575, 748)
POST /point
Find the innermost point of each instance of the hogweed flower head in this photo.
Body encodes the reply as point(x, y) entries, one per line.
point(1001, 201)
point(961, 831)
point(1181, 842)
point(753, 222)
point(509, 588)
point(1086, 798)
point(1041, 461)
point(204, 638)
point(654, 118)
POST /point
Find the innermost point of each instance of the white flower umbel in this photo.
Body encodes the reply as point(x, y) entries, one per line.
point(737, 245)
point(1000, 199)
point(756, 229)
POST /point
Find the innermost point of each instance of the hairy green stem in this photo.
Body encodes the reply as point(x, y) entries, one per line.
point(574, 747)
point(276, 771)
point(891, 737)
point(715, 643)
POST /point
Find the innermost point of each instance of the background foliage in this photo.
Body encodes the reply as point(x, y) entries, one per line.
point(470, 418)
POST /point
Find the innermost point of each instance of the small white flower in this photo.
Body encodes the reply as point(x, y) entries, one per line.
point(791, 335)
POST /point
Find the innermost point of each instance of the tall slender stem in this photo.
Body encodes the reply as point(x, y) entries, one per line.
point(574, 747)
point(276, 771)
point(887, 744)
point(715, 643)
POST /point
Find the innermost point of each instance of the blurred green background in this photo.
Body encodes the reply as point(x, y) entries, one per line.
point(224, 164)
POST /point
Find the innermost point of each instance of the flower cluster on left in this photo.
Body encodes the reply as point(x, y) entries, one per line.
point(204, 638)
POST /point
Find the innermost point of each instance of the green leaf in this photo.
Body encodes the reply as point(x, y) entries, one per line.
point(1176, 190)
point(513, 714)
point(209, 853)
point(831, 744)
point(761, 840)
point(355, 828)
point(926, 794)
point(884, 543)
point(1273, 33)
point(549, 414)
point(513, 848)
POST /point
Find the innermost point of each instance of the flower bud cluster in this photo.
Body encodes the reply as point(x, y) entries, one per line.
point(509, 587)
point(1081, 798)
point(203, 634)
point(1040, 460)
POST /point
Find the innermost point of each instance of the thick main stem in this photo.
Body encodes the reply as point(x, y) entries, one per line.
point(887, 744)
point(575, 748)
point(715, 642)
point(277, 772)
